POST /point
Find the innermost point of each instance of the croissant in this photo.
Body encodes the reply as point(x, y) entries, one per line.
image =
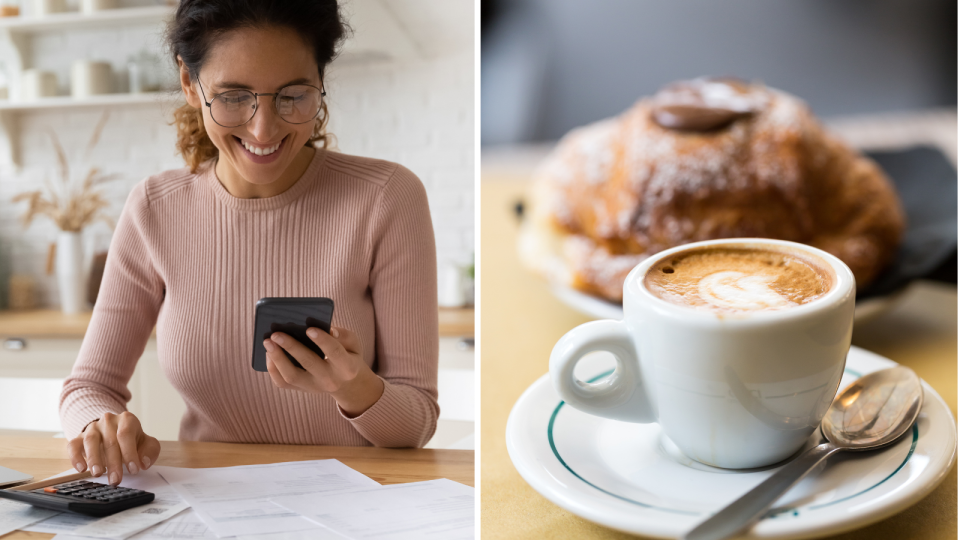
point(704, 159)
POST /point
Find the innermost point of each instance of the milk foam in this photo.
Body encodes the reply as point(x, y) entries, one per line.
point(740, 291)
point(736, 280)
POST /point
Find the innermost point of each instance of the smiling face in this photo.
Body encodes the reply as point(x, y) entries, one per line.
point(261, 60)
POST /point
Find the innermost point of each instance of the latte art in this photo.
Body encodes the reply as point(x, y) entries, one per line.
point(739, 291)
point(738, 280)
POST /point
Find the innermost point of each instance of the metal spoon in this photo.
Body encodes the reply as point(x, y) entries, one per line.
point(871, 413)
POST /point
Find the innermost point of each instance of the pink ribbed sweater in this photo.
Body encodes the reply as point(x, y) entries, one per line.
point(193, 259)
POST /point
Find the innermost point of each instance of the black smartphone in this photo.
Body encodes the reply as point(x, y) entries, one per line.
point(292, 316)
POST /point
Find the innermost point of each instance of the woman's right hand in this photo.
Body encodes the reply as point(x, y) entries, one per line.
point(109, 442)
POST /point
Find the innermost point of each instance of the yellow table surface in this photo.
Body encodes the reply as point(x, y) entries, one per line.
point(520, 321)
point(43, 458)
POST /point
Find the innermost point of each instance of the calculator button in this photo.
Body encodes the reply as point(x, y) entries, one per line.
point(50, 489)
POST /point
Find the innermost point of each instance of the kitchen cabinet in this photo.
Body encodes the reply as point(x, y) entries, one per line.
point(155, 402)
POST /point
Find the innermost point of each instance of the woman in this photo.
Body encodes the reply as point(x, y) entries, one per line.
point(261, 212)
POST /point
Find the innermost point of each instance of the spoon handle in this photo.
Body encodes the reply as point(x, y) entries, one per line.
point(748, 509)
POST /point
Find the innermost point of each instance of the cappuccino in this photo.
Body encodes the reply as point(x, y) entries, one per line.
point(732, 279)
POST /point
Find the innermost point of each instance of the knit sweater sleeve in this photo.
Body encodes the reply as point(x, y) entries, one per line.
point(125, 313)
point(403, 286)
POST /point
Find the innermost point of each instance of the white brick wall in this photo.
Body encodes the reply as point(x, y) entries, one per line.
point(418, 113)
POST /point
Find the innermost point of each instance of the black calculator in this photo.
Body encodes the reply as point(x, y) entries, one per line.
point(81, 497)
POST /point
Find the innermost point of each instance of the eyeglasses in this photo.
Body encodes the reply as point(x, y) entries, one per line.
point(296, 104)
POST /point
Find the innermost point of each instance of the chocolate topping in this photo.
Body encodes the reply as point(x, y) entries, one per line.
point(704, 104)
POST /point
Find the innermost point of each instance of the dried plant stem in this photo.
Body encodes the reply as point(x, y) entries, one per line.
point(70, 209)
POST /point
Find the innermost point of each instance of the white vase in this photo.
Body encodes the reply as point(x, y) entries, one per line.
point(70, 276)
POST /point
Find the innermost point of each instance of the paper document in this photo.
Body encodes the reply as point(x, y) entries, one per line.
point(121, 525)
point(440, 509)
point(17, 515)
point(235, 501)
point(188, 526)
point(64, 523)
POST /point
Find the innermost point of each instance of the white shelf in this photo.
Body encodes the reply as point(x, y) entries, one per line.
point(62, 102)
point(73, 19)
point(378, 37)
point(15, 36)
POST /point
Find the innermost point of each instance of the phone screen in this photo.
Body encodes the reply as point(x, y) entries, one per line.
point(292, 316)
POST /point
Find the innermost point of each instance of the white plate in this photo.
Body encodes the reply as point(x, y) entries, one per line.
point(632, 478)
point(600, 308)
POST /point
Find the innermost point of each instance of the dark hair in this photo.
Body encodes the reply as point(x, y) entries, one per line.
point(198, 24)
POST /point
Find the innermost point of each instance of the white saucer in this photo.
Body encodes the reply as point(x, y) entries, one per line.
point(631, 478)
point(601, 308)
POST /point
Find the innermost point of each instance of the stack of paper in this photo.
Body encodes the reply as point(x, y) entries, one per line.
point(236, 500)
point(283, 501)
point(441, 509)
point(15, 515)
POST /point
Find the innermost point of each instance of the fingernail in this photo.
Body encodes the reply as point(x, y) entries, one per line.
point(334, 332)
point(313, 332)
point(96, 471)
point(113, 479)
point(146, 462)
point(269, 345)
point(278, 339)
point(133, 468)
point(80, 467)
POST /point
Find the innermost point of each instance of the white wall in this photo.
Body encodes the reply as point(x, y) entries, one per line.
point(418, 113)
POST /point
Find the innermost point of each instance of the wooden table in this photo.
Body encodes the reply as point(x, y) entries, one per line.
point(46, 457)
point(520, 321)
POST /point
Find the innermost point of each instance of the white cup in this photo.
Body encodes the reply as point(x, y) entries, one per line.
point(93, 6)
point(90, 78)
point(451, 293)
point(731, 391)
point(35, 84)
point(46, 7)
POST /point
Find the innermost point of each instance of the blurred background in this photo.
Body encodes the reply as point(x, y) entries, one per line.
point(880, 74)
point(402, 90)
point(551, 65)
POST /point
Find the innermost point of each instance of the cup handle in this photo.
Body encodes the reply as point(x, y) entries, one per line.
point(619, 396)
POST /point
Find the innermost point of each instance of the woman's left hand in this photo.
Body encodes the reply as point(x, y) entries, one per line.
point(343, 374)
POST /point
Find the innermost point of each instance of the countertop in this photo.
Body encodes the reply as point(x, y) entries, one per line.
point(52, 323)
